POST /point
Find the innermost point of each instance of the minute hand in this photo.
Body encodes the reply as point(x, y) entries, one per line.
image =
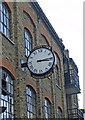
point(46, 59)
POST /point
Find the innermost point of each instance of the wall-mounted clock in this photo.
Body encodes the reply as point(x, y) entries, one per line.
point(40, 60)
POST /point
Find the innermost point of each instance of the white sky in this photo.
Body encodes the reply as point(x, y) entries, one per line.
point(66, 17)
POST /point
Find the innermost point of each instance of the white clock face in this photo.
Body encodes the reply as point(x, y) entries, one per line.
point(40, 61)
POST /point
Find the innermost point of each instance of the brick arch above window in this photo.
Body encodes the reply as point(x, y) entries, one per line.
point(5, 64)
point(60, 106)
point(28, 28)
point(25, 9)
point(44, 34)
point(45, 38)
point(46, 94)
point(30, 82)
point(8, 4)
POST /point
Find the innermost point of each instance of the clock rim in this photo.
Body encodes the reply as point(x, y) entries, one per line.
point(38, 47)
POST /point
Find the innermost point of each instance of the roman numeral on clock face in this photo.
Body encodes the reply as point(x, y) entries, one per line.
point(40, 71)
point(50, 63)
point(40, 50)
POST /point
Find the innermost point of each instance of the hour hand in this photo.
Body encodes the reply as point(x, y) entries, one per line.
point(46, 59)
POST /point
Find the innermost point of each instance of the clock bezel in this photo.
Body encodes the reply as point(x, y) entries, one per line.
point(47, 72)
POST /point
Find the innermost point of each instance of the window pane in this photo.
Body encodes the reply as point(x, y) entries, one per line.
point(0, 6)
point(4, 30)
point(1, 27)
point(5, 20)
point(2, 17)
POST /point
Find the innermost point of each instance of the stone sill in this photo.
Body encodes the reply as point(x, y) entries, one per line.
point(58, 86)
point(8, 38)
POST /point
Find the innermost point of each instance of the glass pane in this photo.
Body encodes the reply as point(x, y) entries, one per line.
point(4, 9)
point(45, 102)
point(2, 17)
point(0, 25)
point(0, 6)
point(26, 51)
point(46, 109)
point(28, 106)
point(12, 109)
point(28, 115)
point(28, 46)
point(4, 30)
point(30, 93)
point(27, 99)
point(7, 33)
point(11, 89)
point(26, 43)
point(7, 13)
point(31, 115)
point(8, 88)
point(8, 23)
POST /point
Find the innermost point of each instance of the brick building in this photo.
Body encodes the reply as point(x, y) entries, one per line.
point(23, 26)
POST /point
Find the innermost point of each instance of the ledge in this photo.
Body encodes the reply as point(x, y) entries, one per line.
point(8, 38)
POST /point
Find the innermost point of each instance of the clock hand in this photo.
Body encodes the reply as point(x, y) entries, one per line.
point(46, 59)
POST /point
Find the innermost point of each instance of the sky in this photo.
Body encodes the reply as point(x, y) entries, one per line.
point(66, 17)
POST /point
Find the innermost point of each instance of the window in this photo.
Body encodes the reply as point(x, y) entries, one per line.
point(4, 19)
point(59, 112)
point(6, 95)
point(47, 108)
point(57, 76)
point(28, 42)
point(74, 99)
point(31, 102)
point(55, 58)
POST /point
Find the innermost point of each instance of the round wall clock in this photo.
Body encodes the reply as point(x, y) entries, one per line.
point(40, 60)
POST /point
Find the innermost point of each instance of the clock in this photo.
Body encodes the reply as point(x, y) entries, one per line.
point(41, 60)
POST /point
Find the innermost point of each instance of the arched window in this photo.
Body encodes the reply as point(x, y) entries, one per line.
point(56, 70)
point(28, 42)
point(6, 95)
point(59, 112)
point(43, 40)
point(57, 76)
point(47, 108)
point(31, 102)
point(4, 19)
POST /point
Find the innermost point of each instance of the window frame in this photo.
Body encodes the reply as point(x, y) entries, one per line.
point(59, 111)
point(31, 102)
point(28, 40)
point(47, 108)
point(7, 94)
point(57, 76)
point(5, 19)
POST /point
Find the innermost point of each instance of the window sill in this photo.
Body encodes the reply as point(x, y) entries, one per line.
point(75, 104)
point(58, 86)
point(8, 38)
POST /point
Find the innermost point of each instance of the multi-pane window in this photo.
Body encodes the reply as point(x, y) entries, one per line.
point(47, 108)
point(4, 19)
point(6, 95)
point(28, 42)
point(59, 112)
point(31, 102)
